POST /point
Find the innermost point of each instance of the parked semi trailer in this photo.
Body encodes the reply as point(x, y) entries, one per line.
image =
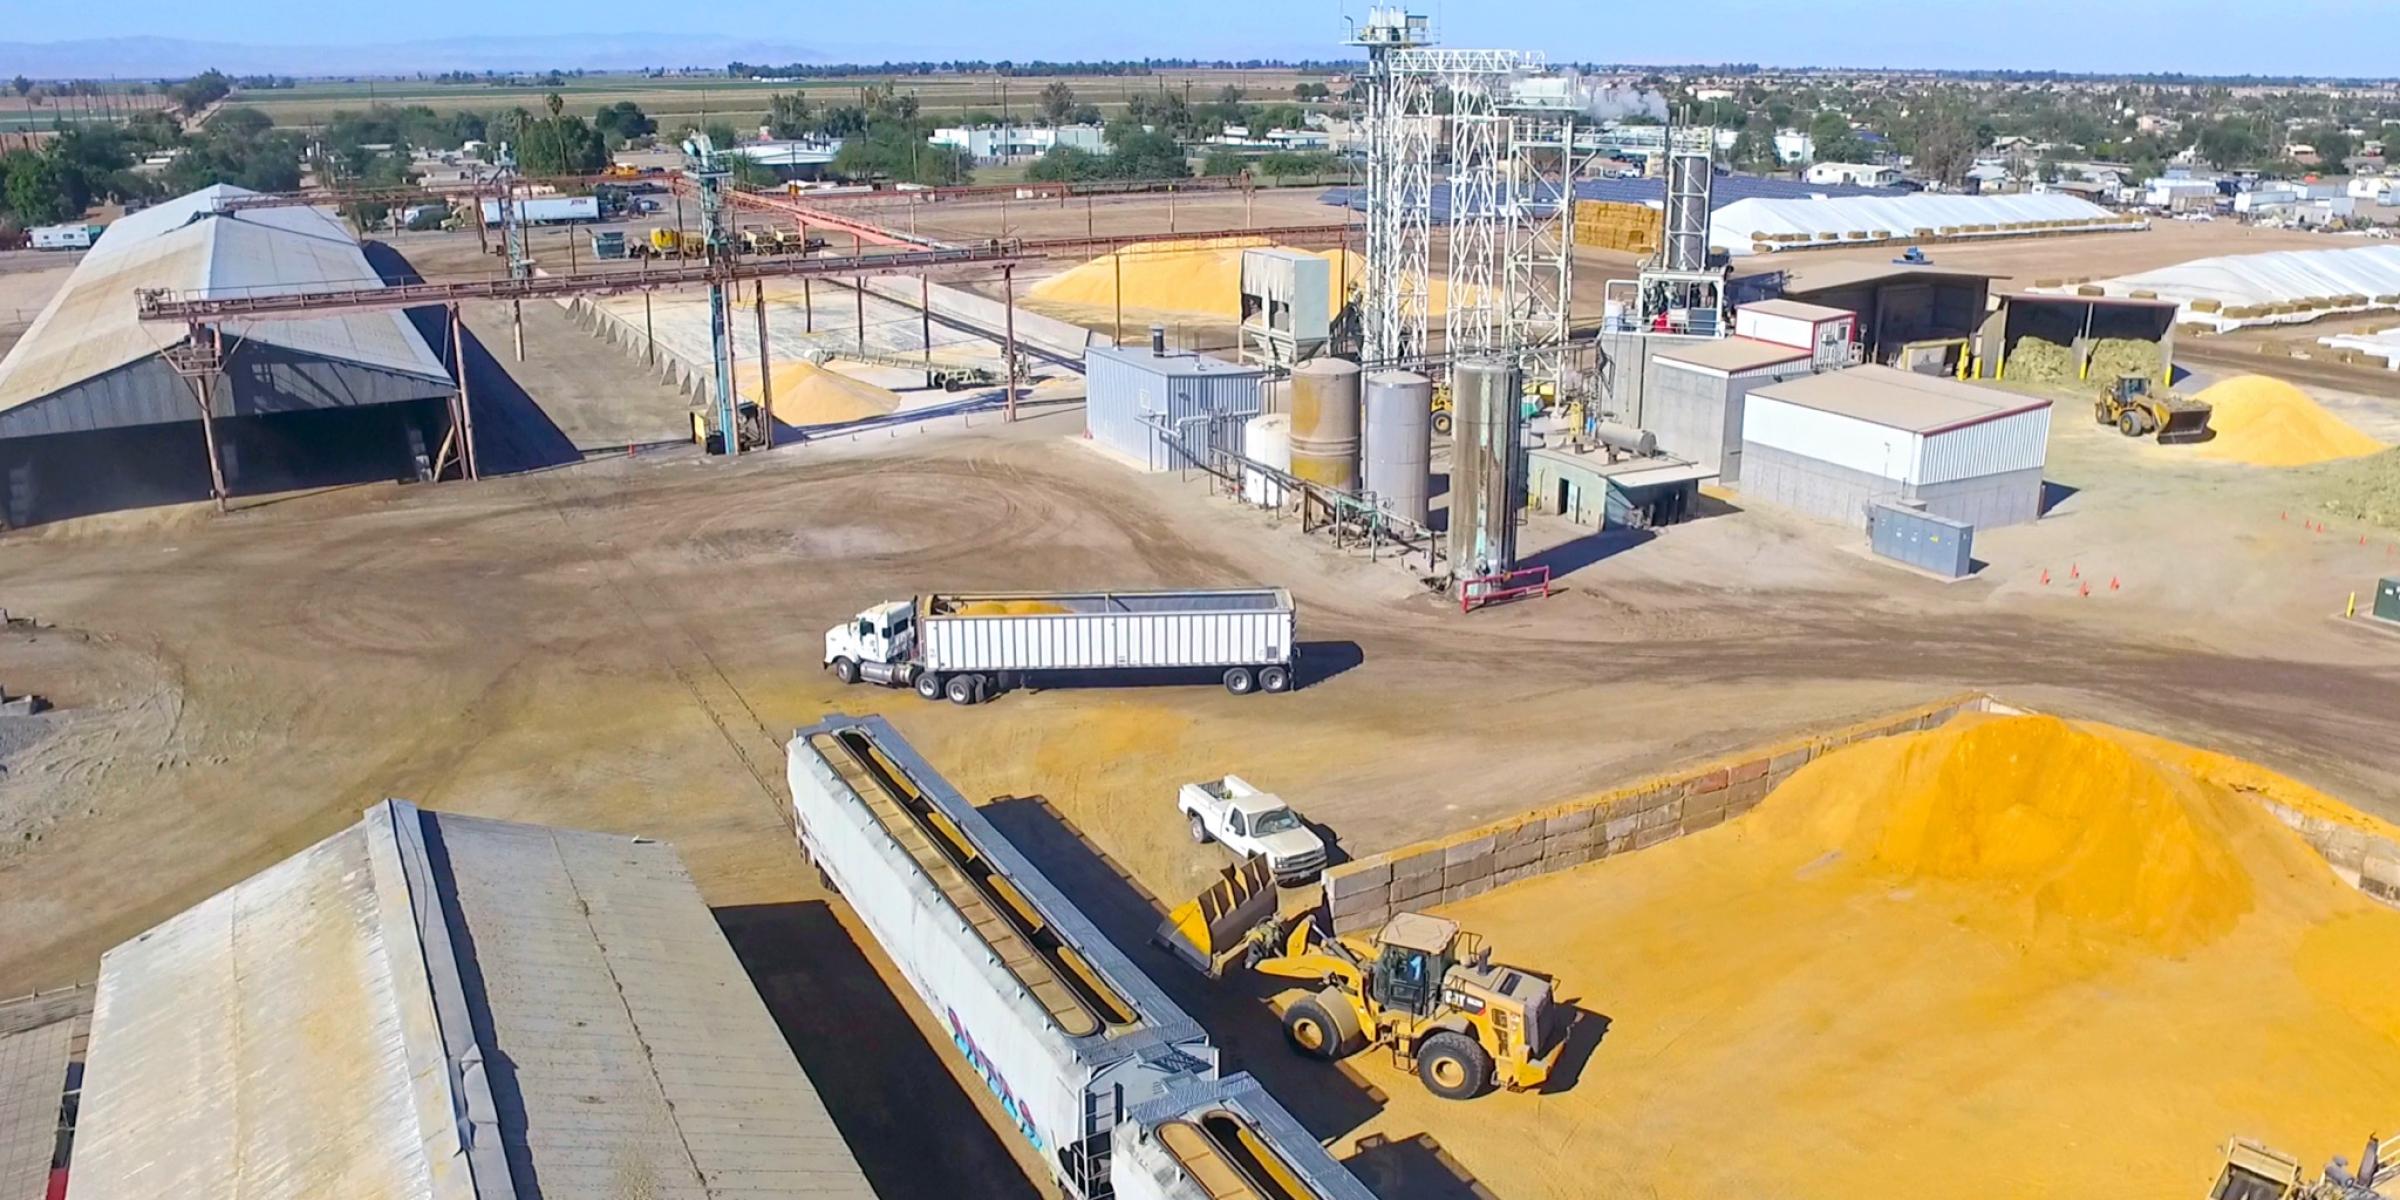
point(971, 647)
point(1224, 1139)
point(1064, 1029)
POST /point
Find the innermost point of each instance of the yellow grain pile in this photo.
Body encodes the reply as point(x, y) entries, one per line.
point(807, 394)
point(1190, 278)
point(2266, 422)
point(1009, 608)
point(1631, 228)
point(2024, 956)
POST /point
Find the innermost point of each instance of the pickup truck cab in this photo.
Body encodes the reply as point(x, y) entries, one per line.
point(1250, 823)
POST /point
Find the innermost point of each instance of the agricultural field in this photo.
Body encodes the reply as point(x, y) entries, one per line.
point(745, 101)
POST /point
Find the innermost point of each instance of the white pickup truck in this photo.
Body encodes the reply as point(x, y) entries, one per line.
point(1253, 823)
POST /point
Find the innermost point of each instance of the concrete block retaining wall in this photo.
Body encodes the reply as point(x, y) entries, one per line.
point(1365, 893)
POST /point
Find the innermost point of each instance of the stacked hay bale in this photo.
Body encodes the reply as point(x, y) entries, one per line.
point(1631, 228)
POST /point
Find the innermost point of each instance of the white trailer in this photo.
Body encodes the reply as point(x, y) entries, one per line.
point(973, 646)
point(1224, 1138)
point(65, 237)
point(547, 210)
point(1057, 1022)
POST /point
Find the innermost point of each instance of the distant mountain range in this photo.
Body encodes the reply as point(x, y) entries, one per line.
point(159, 57)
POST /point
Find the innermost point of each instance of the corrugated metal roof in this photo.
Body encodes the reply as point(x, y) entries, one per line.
point(1808, 278)
point(1799, 310)
point(33, 1077)
point(437, 1006)
point(1726, 189)
point(1173, 362)
point(1740, 225)
point(90, 328)
point(1899, 400)
point(1734, 354)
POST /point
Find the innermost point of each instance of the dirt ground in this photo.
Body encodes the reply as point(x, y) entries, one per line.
point(623, 643)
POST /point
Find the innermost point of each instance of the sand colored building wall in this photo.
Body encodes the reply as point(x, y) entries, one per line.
point(1364, 893)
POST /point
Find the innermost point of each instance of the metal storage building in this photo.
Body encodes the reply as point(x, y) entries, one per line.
point(1595, 488)
point(435, 1006)
point(1694, 396)
point(94, 416)
point(1131, 391)
point(1830, 445)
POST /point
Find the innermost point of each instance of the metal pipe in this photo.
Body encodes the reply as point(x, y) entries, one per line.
point(766, 373)
point(466, 404)
point(1008, 346)
point(208, 418)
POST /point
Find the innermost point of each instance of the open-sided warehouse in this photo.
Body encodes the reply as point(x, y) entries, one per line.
point(1900, 308)
point(2103, 335)
point(436, 1006)
point(1131, 392)
point(2276, 287)
point(1830, 445)
point(94, 414)
point(1693, 398)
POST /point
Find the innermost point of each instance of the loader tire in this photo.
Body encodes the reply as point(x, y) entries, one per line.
point(1454, 1066)
point(1313, 1031)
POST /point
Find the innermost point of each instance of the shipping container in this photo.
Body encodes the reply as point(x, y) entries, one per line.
point(547, 210)
point(968, 647)
point(1212, 1140)
point(1067, 1033)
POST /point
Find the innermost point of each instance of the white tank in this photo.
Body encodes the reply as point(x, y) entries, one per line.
point(1266, 438)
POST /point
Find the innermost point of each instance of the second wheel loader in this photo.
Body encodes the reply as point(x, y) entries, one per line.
point(1417, 987)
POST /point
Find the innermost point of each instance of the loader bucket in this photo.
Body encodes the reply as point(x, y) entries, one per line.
point(1203, 931)
point(2185, 422)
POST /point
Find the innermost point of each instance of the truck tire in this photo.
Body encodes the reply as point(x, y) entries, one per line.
point(962, 690)
point(929, 685)
point(1453, 1066)
point(1316, 1032)
point(1199, 829)
point(845, 670)
point(1274, 679)
point(1240, 682)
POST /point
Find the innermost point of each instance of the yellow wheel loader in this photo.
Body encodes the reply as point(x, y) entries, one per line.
point(2256, 1171)
point(2137, 411)
point(1417, 987)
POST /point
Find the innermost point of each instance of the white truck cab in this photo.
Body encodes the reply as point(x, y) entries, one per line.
point(878, 645)
point(1250, 823)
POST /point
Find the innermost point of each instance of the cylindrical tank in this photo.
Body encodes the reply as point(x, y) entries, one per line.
point(1487, 465)
point(1626, 438)
point(1325, 422)
point(1267, 439)
point(1397, 464)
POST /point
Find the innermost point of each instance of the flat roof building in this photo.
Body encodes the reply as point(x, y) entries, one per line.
point(1830, 445)
point(437, 1006)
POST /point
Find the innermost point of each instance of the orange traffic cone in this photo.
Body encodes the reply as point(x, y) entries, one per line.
point(2045, 577)
point(2112, 583)
point(2084, 590)
point(2074, 571)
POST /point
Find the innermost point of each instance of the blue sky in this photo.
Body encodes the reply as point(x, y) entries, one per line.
point(2348, 37)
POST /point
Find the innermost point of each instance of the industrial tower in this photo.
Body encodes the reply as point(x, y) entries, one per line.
point(1680, 291)
point(1399, 186)
point(716, 224)
point(1538, 239)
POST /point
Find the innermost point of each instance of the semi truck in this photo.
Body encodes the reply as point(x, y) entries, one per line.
point(1067, 1032)
point(547, 210)
point(971, 647)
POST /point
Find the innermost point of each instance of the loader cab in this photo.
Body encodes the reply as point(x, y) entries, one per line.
point(1414, 959)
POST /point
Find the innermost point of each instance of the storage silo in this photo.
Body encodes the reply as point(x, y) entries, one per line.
point(1325, 422)
point(1487, 465)
point(1398, 461)
point(1267, 440)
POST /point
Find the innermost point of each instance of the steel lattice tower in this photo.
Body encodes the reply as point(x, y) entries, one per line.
point(1478, 80)
point(1399, 186)
point(1538, 244)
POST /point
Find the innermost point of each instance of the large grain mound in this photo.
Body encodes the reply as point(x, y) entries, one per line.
point(2266, 422)
point(1200, 277)
point(2094, 836)
point(808, 394)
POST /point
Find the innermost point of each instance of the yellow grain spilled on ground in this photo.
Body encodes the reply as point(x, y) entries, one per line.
point(2266, 422)
point(2025, 956)
point(807, 394)
point(1200, 277)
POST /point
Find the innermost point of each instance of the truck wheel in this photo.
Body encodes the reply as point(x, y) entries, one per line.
point(845, 670)
point(1239, 681)
point(1274, 679)
point(1200, 830)
point(1454, 1066)
point(929, 685)
point(1314, 1032)
point(962, 689)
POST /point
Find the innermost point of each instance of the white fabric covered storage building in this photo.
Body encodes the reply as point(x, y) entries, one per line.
point(1829, 445)
point(1758, 226)
point(2278, 287)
